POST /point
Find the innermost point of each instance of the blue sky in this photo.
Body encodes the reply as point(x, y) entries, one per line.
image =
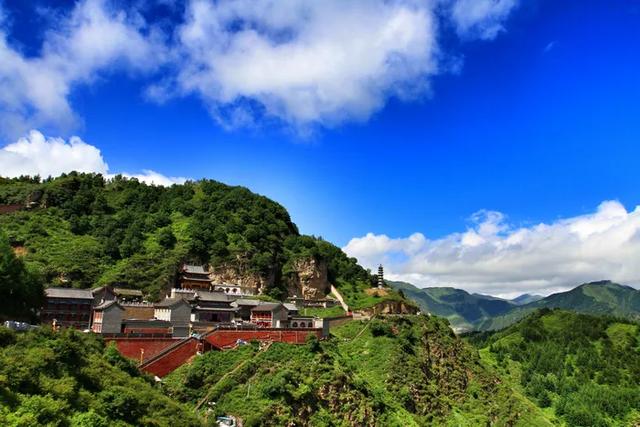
point(531, 111)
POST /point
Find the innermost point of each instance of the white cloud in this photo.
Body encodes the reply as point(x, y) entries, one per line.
point(316, 62)
point(300, 62)
point(34, 91)
point(497, 258)
point(35, 154)
point(481, 18)
point(155, 178)
point(305, 62)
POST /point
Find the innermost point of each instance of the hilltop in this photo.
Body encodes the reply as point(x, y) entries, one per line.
point(81, 230)
point(600, 298)
point(468, 311)
point(526, 299)
point(463, 310)
point(395, 371)
point(584, 369)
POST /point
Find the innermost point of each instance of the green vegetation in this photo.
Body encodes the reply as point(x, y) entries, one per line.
point(85, 231)
point(395, 371)
point(526, 299)
point(599, 298)
point(70, 379)
point(20, 288)
point(334, 311)
point(481, 312)
point(584, 369)
point(356, 296)
point(464, 310)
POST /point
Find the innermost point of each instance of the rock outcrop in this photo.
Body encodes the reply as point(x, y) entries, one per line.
point(228, 274)
point(390, 307)
point(309, 279)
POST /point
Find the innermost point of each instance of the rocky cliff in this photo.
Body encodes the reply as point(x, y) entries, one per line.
point(309, 279)
point(242, 277)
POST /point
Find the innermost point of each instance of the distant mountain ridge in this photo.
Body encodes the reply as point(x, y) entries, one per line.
point(599, 298)
point(462, 309)
point(526, 299)
point(481, 312)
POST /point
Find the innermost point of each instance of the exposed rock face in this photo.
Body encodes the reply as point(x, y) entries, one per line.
point(391, 307)
point(310, 279)
point(227, 274)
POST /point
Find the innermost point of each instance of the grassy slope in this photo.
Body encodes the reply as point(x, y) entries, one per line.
point(393, 372)
point(583, 369)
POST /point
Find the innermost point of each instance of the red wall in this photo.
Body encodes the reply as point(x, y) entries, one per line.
point(227, 338)
point(130, 347)
point(181, 354)
point(170, 361)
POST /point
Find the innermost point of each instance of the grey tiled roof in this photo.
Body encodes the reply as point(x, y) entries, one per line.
point(247, 301)
point(267, 306)
point(289, 306)
point(196, 269)
point(69, 293)
point(170, 302)
point(212, 296)
point(108, 304)
point(128, 292)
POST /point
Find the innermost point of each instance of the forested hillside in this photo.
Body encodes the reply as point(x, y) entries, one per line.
point(468, 311)
point(600, 298)
point(70, 379)
point(394, 371)
point(584, 369)
point(81, 230)
point(463, 310)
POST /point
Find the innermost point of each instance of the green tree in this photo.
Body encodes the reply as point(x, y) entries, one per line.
point(21, 291)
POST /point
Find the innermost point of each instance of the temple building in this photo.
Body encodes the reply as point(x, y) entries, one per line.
point(68, 307)
point(269, 315)
point(195, 277)
point(380, 277)
point(107, 318)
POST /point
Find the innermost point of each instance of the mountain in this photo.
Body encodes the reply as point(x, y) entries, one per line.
point(583, 369)
point(462, 309)
point(391, 371)
point(526, 299)
point(81, 230)
point(601, 298)
point(482, 312)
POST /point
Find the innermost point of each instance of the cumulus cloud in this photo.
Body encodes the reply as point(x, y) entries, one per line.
point(315, 62)
point(481, 18)
point(495, 257)
point(296, 61)
point(36, 154)
point(153, 177)
point(34, 91)
point(303, 61)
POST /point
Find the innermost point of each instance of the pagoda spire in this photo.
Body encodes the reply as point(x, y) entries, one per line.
point(380, 277)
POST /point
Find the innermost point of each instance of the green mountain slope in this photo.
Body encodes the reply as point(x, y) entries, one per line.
point(395, 371)
point(462, 309)
point(526, 299)
point(70, 379)
point(582, 368)
point(84, 231)
point(600, 298)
